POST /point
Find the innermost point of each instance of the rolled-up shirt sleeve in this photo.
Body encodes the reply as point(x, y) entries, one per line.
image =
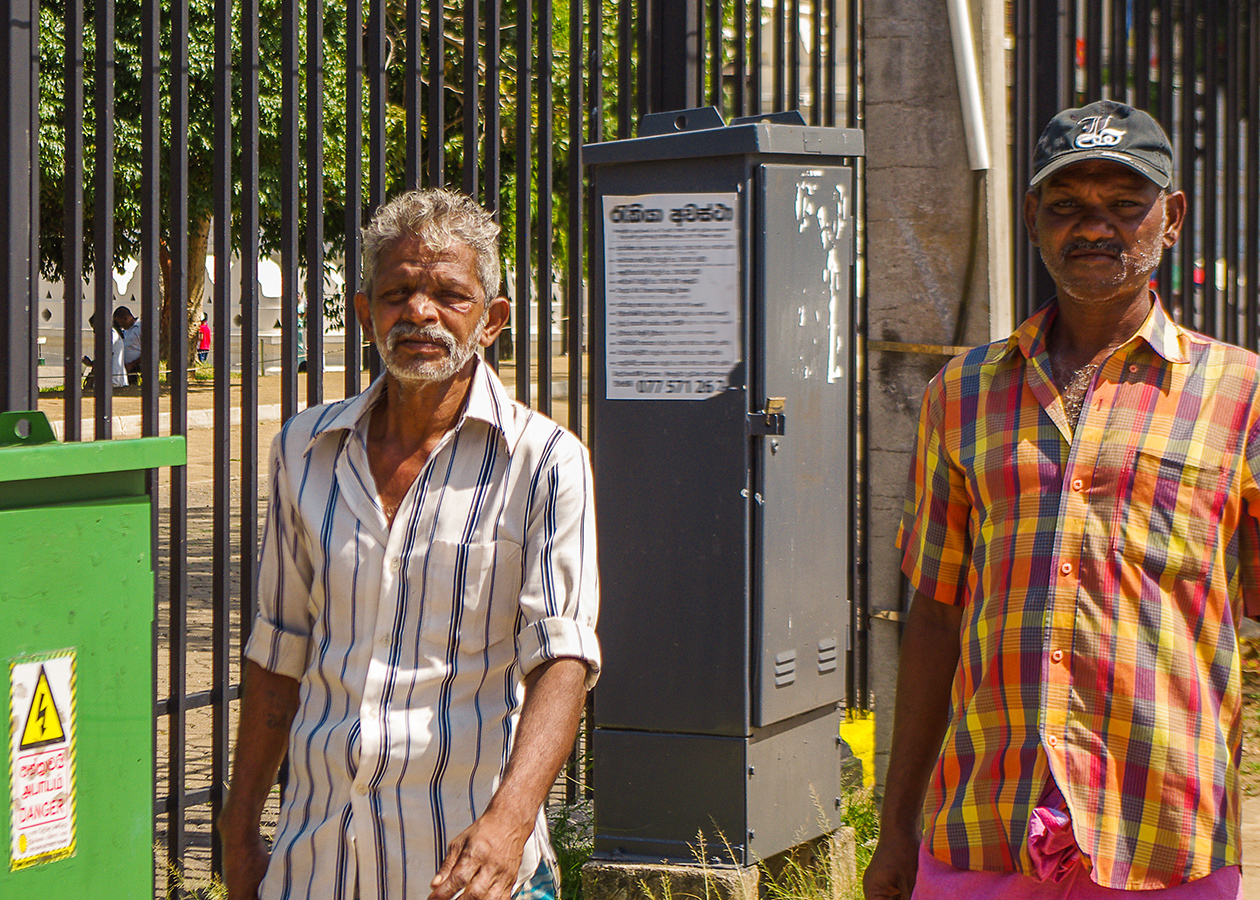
point(559, 597)
point(279, 640)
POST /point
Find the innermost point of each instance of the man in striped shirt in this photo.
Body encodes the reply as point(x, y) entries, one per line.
point(1081, 533)
point(425, 632)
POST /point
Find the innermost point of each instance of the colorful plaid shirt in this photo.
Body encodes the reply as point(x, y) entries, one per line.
point(1102, 576)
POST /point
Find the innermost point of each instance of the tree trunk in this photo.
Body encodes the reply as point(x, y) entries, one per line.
point(198, 244)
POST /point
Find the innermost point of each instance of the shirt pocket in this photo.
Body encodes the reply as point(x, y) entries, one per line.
point(471, 594)
point(1171, 526)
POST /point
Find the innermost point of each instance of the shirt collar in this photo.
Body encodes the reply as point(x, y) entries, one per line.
point(1161, 333)
point(488, 401)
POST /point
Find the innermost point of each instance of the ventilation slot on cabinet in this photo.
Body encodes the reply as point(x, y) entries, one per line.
point(785, 668)
point(826, 656)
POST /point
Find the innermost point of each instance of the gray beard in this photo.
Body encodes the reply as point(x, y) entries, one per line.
point(417, 373)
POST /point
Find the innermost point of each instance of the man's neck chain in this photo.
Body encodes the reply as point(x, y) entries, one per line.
point(1073, 387)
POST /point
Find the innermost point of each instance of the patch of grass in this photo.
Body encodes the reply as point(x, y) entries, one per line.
point(860, 811)
point(178, 887)
point(573, 837)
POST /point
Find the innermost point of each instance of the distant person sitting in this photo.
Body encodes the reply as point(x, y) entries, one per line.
point(117, 368)
point(129, 327)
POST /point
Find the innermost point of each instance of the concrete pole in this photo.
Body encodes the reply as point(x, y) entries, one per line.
point(938, 276)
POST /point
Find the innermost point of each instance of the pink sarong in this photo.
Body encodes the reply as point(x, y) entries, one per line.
point(1059, 872)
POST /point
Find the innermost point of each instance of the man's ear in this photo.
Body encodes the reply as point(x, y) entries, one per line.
point(1175, 205)
point(498, 314)
point(363, 311)
point(1030, 216)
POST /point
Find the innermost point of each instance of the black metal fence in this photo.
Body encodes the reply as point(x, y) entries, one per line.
point(1195, 66)
point(272, 128)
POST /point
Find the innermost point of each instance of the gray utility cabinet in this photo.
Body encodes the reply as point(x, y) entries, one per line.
point(722, 364)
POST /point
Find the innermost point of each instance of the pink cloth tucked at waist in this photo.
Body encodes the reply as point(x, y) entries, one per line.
point(1059, 873)
point(941, 881)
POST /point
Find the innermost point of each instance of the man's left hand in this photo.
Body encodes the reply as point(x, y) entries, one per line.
point(483, 860)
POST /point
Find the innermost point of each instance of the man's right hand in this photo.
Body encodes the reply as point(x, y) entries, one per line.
point(893, 869)
point(244, 865)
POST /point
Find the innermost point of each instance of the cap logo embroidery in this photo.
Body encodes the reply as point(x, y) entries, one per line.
point(1095, 133)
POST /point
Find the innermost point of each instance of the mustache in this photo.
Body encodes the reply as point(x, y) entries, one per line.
point(406, 330)
point(1104, 246)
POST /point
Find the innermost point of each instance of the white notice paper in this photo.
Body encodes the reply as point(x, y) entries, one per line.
point(671, 279)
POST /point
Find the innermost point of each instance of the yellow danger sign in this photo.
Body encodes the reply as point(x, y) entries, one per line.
point(42, 793)
point(43, 723)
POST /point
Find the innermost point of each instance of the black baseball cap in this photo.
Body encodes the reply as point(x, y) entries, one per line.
point(1104, 130)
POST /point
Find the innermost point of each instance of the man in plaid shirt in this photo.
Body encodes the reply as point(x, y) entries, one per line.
point(1081, 533)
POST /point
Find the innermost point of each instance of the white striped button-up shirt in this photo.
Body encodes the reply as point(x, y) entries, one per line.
point(411, 641)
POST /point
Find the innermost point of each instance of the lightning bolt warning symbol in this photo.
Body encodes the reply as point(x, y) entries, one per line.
point(43, 724)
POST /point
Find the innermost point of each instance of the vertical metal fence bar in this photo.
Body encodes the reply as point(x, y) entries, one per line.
point(1093, 28)
point(1120, 50)
point(754, 61)
point(150, 244)
point(248, 538)
point(740, 85)
point(437, 91)
point(1252, 304)
point(1021, 125)
point(290, 77)
point(1229, 214)
point(524, 54)
point(469, 61)
point(221, 544)
point(595, 68)
point(573, 291)
point(1141, 54)
point(545, 202)
point(150, 231)
point(778, 59)
point(816, 102)
point(378, 103)
point(19, 203)
point(1067, 53)
point(494, 117)
point(625, 45)
point(1186, 246)
point(714, 27)
point(72, 216)
point(314, 202)
point(354, 193)
point(177, 381)
point(1166, 118)
point(792, 33)
point(833, 65)
point(413, 91)
point(491, 183)
point(103, 211)
point(1210, 169)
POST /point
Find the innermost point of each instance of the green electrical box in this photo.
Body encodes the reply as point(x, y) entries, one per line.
point(76, 639)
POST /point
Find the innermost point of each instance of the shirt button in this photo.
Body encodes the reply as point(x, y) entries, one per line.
point(384, 640)
point(1056, 656)
point(1066, 568)
point(393, 565)
point(1077, 484)
point(1052, 741)
point(1132, 368)
point(361, 789)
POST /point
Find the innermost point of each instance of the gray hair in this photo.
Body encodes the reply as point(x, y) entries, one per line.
point(438, 218)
